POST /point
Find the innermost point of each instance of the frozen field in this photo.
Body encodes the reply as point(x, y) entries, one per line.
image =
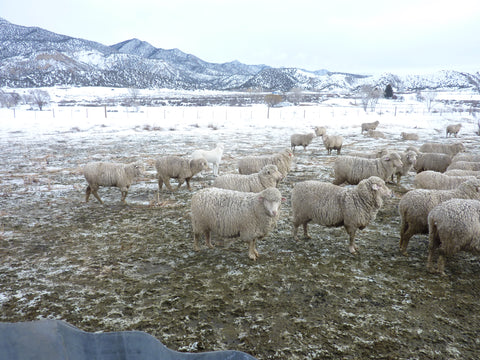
point(132, 267)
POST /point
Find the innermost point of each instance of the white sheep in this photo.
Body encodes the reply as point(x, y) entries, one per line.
point(466, 157)
point(320, 130)
point(301, 140)
point(332, 142)
point(213, 157)
point(409, 159)
point(453, 226)
point(465, 165)
point(453, 129)
point(416, 204)
point(375, 134)
point(353, 169)
point(269, 176)
point(457, 172)
point(438, 181)
point(330, 205)
point(229, 213)
point(175, 167)
point(370, 126)
point(253, 164)
point(449, 149)
point(432, 161)
point(409, 136)
point(110, 174)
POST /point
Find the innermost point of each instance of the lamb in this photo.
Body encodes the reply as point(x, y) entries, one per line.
point(449, 149)
point(178, 168)
point(409, 136)
point(376, 134)
point(352, 169)
point(453, 226)
point(229, 213)
point(453, 129)
point(110, 174)
point(301, 140)
point(269, 176)
point(436, 180)
point(369, 126)
point(466, 157)
point(432, 161)
point(320, 130)
point(253, 164)
point(408, 159)
point(213, 157)
point(465, 165)
point(416, 204)
point(333, 206)
point(332, 142)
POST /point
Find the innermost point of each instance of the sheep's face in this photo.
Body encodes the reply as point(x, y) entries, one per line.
point(271, 200)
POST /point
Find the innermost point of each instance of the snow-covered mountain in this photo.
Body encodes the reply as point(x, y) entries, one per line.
point(31, 57)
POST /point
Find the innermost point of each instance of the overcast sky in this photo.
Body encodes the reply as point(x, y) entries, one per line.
point(357, 36)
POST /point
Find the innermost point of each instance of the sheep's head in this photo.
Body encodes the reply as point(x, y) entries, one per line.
point(271, 199)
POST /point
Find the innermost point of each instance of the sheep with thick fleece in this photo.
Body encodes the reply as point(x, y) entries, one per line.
point(453, 226)
point(320, 130)
point(438, 181)
point(370, 126)
point(453, 129)
point(213, 157)
point(376, 134)
point(353, 169)
point(301, 140)
point(269, 176)
point(332, 142)
point(466, 157)
point(331, 205)
point(449, 149)
point(432, 161)
point(175, 167)
point(409, 136)
point(458, 172)
point(229, 213)
point(110, 174)
point(409, 159)
point(416, 204)
point(253, 164)
point(465, 165)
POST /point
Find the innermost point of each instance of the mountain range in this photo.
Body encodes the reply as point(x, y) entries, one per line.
point(35, 57)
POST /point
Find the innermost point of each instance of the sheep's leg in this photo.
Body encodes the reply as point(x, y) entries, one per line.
point(93, 190)
point(188, 184)
point(124, 195)
point(352, 247)
point(208, 239)
point(405, 235)
point(305, 230)
point(252, 252)
point(180, 182)
point(441, 263)
point(195, 242)
point(87, 193)
point(168, 185)
point(160, 184)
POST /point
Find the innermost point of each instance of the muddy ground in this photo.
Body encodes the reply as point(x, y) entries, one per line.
point(132, 267)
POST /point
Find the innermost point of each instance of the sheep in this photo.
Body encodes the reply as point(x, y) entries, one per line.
point(409, 136)
point(432, 161)
point(269, 176)
point(416, 204)
point(110, 174)
point(369, 126)
point(466, 157)
point(436, 180)
point(449, 149)
point(453, 129)
point(332, 142)
point(178, 168)
point(212, 156)
point(465, 165)
point(301, 140)
point(331, 205)
point(352, 169)
point(253, 164)
point(320, 130)
point(453, 226)
point(458, 172)
point(375, 134)
point(409, 159)
point(374, 155)
point(229, 213)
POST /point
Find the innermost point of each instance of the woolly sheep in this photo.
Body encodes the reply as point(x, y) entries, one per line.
point(374, 155)
point(465, 165)
point(320, 130)
point(436, 180)
point(458, 172)
point(175, 167)
point(213, 156)
point(432, 161)
point(269, 176)
point(370, 126)
point(301, 140)
point(453, 226)
point(376, 134)
point(253, 164)
point(332, 142)
point(352, 169)
point(449, 149)
point(409, 136)
point(466, 157)
point(409, 159)
point(110, 174)
point(331, 205)
point(229, 213)
point(416, 204)
point(453, 129)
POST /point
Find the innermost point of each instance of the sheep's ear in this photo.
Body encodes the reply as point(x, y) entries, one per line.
point(260, 198)
point(375, 187)
point(387, 158)
point(284, 199)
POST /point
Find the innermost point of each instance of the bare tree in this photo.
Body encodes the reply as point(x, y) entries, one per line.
point(39, 98)
point(272, 100)
point(9, 100)
point(429, 97)
point(370, 96)
point(296, 95)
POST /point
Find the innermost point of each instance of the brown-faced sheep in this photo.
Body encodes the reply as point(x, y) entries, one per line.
point(370, 126)
point(269, 176)
point(332, 142)
point(453, 129)
point(253, 164)
point(301, 140)
point(175, 167)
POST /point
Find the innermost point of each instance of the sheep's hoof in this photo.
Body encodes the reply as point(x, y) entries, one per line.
point(353, 250)
point(253, 256)
point(404, 252)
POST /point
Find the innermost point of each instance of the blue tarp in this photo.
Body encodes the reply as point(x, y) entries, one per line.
point(58, 340)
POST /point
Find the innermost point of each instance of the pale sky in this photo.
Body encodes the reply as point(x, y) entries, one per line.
point(356, 36)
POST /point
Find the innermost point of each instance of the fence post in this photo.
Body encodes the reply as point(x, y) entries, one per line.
point(105, 108)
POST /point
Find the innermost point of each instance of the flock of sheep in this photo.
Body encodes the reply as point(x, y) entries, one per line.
point(445, 203)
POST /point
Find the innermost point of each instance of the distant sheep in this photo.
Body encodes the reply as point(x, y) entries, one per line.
point(352, 169)
point(269, 176)
point(449, 149)
point(466, 157)
point(376, 134)
point(320, 130)
point(332, 142)
point(416, 204)
point(228, 213)
point(453, 226)
point(213, 157)
point(432, 161)
point(438, 181)
point(301, 140)
point(330, 205)
point(369, 126)
point(373, 155)
point(409, 136)
point(465, 165)
point(175, 167)
point(453, 129)
point(110, 174)
point(253, 164)
point(409, 159)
